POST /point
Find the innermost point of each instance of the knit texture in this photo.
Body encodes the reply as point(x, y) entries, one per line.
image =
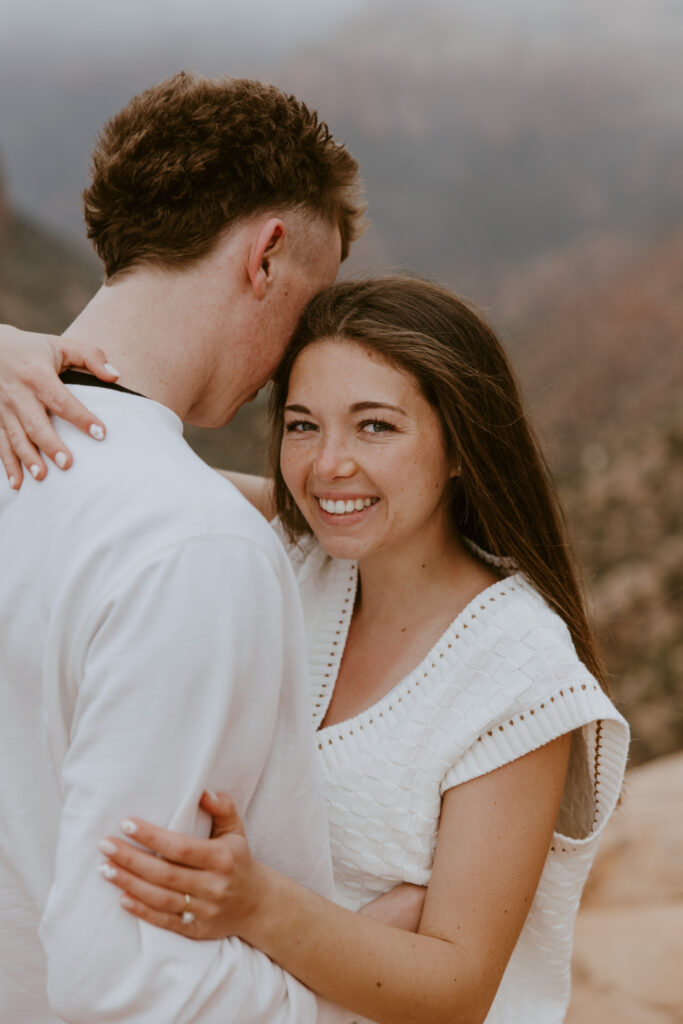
point(503, 680)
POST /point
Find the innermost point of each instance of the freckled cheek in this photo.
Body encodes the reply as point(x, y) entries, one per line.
point(294, 467)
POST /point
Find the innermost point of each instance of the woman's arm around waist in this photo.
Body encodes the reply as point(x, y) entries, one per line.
point(494, 836)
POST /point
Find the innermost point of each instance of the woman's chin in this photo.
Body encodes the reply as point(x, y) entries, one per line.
point(338, 545)
point(346, 551)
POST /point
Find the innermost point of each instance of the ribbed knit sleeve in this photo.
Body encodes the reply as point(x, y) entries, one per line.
point(534, 690)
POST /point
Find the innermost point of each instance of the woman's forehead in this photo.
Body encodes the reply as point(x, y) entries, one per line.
point(349, 361)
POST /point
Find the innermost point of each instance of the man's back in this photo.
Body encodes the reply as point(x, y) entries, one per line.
point(151, 648)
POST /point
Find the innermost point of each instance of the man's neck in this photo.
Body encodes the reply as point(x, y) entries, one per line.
point(158, 329)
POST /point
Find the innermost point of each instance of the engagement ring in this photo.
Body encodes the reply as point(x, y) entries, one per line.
point(187, 917)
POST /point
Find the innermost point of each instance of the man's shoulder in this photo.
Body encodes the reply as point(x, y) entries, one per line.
point(149, 478)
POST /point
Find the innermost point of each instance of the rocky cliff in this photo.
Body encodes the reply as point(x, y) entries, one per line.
point(629, 934)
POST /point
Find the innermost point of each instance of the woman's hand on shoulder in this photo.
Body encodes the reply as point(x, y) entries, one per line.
point(30, 390)
point(200, 888)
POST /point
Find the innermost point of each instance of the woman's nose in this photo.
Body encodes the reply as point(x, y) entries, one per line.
point(334, 460)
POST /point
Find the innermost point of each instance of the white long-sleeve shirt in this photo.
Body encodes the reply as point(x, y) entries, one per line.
point(150, 647)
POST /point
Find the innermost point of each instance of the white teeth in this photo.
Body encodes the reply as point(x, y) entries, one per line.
point(340, 507)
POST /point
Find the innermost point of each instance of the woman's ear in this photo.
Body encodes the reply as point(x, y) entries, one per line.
point(267, 243)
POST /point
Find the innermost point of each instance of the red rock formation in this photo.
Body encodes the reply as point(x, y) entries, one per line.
point(629, 934)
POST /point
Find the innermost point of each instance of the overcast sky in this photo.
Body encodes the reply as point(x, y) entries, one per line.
point(219, 35)
point(69, 26)
point(67, 65)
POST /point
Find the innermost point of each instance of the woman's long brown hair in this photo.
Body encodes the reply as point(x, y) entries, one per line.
point(504, 498)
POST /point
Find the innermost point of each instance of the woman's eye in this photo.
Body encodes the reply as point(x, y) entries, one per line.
point(299, 426)
point(377, 426)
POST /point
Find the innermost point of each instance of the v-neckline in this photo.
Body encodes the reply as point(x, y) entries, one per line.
point(342, 597)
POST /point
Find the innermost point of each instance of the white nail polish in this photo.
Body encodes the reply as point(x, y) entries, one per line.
point(12, 482)
point(106, 846)
point(107, 871)
point(34, 471)
point(112, 369)
point(96, 432)
point(60, 459)
point(129, 827)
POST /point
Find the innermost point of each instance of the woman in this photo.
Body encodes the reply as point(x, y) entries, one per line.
point(465, 737)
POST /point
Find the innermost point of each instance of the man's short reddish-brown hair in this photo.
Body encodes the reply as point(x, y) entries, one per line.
point(193, 156)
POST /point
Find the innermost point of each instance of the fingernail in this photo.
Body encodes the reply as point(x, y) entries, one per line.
point(106, 846)
point(96, 432)
point(212, 796)
point(12, 482)
point(126, 902)
point(129, 827)
point(111, 369)
point(34, 471)
point(60, 459)
point(107, 871)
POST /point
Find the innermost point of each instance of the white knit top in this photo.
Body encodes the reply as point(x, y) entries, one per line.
point(502, 680)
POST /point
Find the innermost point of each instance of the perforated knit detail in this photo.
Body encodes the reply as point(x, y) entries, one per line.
point(502, 680)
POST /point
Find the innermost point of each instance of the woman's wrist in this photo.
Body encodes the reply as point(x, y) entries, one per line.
point(273, 903)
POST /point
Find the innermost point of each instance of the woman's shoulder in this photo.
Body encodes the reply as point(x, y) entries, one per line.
point(511, 660)
point(513, 615)
point(516, 612)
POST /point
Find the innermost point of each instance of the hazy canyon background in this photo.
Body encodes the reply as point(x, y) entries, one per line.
point(527, 153)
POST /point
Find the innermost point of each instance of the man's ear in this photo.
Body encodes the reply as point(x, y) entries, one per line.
point(267, 243)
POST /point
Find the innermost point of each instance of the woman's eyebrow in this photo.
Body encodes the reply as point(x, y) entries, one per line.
point(356, 407)
point(361, 406)
point(298, 408)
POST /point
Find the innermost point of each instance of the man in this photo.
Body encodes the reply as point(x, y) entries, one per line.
point(152, 643)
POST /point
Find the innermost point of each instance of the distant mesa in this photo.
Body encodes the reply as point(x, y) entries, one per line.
point(4, 202)
point(44, 280)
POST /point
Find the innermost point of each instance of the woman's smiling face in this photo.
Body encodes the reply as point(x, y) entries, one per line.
point(362, 452)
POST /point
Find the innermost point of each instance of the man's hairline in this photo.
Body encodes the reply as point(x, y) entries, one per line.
point(159, 263)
